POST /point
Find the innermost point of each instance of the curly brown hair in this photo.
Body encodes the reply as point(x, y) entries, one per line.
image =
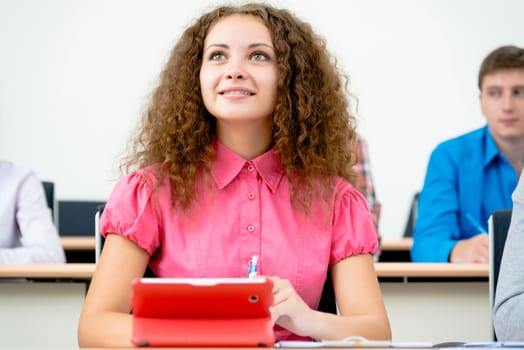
point(313, 130)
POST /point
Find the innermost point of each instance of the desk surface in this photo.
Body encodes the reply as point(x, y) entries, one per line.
point(85, 243)
point(78, 242)
point(403, 244)
point(238, 348)
point(423, 346)
point(408, 269)
point(82, 271)
point(85, 271)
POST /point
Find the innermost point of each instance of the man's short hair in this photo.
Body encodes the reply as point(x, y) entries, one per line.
point(504, 57)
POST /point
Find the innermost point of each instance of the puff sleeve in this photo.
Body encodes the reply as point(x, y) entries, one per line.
point(353, 229)
point(132, 211)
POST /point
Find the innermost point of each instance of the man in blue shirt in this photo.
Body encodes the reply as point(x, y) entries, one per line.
point(470, 176)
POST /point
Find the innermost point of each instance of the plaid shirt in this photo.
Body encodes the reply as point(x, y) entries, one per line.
point(364, 181)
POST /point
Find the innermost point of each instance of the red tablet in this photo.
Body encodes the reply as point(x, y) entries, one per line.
point(202, 312)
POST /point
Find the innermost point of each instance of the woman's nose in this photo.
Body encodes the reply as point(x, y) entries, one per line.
point(235, 74)
point(235, 69)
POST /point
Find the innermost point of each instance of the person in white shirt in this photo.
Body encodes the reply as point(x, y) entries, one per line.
point(27, 232)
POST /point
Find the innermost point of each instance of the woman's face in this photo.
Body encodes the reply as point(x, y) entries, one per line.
point(239, 72)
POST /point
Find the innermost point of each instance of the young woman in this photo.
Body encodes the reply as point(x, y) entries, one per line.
point(245, 150)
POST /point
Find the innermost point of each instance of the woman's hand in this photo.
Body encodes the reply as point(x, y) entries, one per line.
point(361, 309)
point(289, 310)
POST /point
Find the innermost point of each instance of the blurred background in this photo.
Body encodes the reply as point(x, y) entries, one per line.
point(75, 74)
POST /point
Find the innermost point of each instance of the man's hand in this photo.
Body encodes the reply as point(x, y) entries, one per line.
point(472, 250)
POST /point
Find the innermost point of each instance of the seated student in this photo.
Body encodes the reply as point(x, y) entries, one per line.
point(364, 182)
point(472, 175)
point(27, 232)
point(508, 310)
point(247, 157)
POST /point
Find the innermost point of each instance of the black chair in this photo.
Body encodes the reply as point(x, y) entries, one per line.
point(412, 216)
point(49, 190)
point(498, 231)
point(99, 239)
point(75, 217)
point(327, 300)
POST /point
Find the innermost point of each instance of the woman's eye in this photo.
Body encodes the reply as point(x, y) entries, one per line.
point(259, 56)
point(217, 56)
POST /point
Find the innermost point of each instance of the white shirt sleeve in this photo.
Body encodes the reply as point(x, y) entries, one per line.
point(28, 234)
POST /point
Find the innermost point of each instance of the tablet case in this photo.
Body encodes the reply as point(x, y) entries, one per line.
point(169, 312)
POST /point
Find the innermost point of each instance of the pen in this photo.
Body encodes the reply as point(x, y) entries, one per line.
point(252, 271)
point(475, 223)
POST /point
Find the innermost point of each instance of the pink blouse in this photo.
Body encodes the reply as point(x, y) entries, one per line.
point(244, 210)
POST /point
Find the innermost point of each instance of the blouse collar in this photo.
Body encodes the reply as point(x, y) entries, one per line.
point(228, 165)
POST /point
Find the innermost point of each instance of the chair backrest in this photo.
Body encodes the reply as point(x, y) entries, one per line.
point(328, 302)
point(412, 216)
point(75, 217)
point(498, 223)
point(49, 190)
point(99, 239)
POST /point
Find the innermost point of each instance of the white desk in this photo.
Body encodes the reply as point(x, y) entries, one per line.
point(45, 314)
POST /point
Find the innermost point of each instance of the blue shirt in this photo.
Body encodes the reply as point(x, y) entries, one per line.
point(466, 180)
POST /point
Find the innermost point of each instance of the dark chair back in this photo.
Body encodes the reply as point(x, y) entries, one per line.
point(412, 216)
point(99, 239)
point(75, 217)
point(49, 190)
point(327, 299)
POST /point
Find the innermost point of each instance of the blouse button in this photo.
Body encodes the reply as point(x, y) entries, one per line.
point(251, 195)
point(250, 167)
point(251, 228)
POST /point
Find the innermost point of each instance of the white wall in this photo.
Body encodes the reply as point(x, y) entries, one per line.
point(74, 75)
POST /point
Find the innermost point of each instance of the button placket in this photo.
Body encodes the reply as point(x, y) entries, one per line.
point(250, 217)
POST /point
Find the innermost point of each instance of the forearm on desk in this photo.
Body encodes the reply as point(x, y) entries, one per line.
point(111, 329)
point(333, 327)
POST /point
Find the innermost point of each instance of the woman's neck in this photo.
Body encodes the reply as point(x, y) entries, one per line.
point(249, 140)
